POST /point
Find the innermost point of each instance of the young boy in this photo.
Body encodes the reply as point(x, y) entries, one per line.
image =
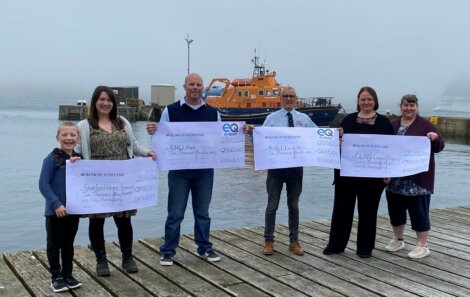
point(61, 228)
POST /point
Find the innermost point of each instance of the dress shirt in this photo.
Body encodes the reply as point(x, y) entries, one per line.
point(279, 119)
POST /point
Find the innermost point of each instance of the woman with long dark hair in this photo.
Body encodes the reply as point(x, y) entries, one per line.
point(107, 136)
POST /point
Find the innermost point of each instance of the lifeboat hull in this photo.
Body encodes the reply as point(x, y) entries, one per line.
point(321, 116)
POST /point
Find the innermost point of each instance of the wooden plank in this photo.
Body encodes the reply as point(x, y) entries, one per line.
point(441, 245)
point(439, 229)
point(439, 264)
point(324, 227)
point(353, 269)
point(464, 208)
point(190, 261)
point(213, 274)
point(445, 262)
point(457, 260)
point(440, 225)
point(298, 275)
point(432, 267)
point(117, 283)
point(10, 286)
point(35, 277)
point(244, 289)
point(443, 226)
point(89, 288)
point(450, 219)
point(245, 257)
point(146, 277)
point(449, 215)
point(261, 280)
point(392, 263)
point(424, 266)
point(245, 271)
point(461, 213)
point(178, 275)
point(245, 240)
point(461, 228)
point(444, 234)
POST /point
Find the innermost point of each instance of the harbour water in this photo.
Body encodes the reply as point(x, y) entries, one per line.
point(28, 129)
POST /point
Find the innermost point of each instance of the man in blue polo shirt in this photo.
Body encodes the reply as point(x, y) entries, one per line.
point(197, 181)
point(287, 116)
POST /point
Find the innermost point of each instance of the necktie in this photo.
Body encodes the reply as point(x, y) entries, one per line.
point(290, 120)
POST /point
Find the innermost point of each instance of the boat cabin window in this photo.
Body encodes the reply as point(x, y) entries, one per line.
point(247, 94)
point(268, 92)
point(240, 93)
point(275, 92)
point(260, 93)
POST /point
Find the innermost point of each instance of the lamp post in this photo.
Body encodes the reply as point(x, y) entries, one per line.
point(188, 41)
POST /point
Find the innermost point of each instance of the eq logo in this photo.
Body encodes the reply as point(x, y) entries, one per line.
point(325, 133)
point(227, 128)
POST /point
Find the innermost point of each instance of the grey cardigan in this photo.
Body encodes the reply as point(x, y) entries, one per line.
point(83, 147)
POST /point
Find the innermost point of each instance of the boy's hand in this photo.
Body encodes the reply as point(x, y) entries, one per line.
point(73, 159)
point(60, 211)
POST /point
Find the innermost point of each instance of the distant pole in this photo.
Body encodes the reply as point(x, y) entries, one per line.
point(188, 41)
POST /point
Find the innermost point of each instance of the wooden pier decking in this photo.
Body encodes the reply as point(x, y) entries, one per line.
point(245, 271)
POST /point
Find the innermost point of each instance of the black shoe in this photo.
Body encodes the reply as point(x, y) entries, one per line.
point(364, 254)
point(58, 285)
point(102, 268)
point(211, 256)
point(329, 250)
point(129, 265)
point(166, 260)
point(72, 282)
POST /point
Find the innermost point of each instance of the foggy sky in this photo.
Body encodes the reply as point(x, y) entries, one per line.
point(64, 49)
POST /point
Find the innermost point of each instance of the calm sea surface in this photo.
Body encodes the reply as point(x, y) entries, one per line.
point(28, 129)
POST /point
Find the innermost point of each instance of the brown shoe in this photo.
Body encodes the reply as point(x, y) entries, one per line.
point(268, 248)
point(296, 249)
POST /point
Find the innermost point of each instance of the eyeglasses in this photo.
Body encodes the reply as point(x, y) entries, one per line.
point(289, 96)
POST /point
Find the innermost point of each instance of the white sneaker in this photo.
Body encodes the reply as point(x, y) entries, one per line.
point(419, 251)
point(395, 245)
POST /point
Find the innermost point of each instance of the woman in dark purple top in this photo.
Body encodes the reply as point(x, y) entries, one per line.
point(413, 193)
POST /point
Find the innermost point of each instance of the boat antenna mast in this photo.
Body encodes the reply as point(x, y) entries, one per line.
point(188, 41)
point(259, 69)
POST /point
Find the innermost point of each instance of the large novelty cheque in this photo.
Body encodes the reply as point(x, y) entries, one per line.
point(102, 186)
point(198, 145)
point(283, 147)
point(370, 155)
